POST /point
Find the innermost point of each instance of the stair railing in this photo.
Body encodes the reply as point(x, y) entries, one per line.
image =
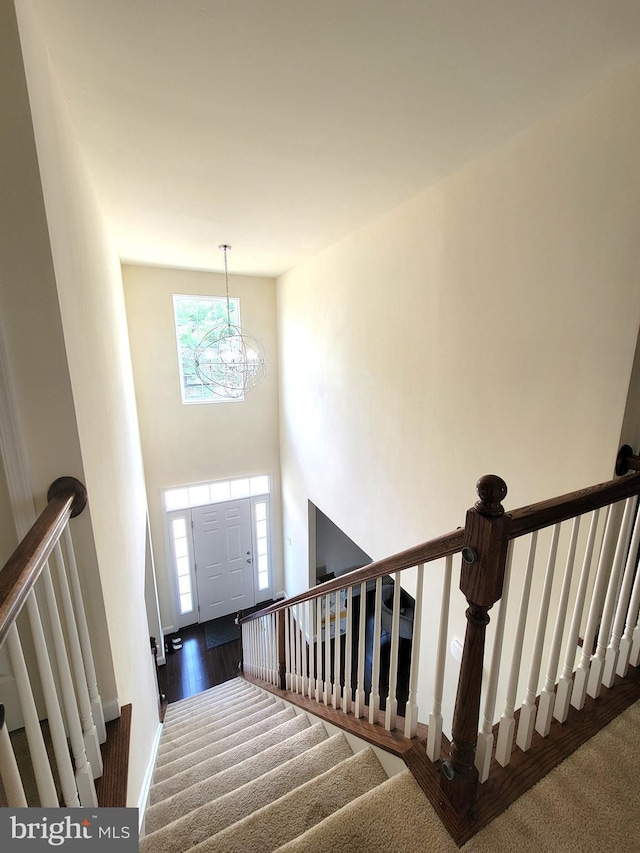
point(73, 708)
point(583, 625)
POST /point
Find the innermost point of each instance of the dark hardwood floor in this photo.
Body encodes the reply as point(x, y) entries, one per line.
point(193, 668)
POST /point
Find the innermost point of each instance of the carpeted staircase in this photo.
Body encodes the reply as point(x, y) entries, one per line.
point(239, 771)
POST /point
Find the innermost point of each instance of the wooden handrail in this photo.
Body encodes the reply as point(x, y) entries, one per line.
point(67, 498)
point(543, 514)
point(434, 549)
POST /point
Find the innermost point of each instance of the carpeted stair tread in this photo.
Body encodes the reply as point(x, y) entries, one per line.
point(245, 771)
point(212, 817)
point(394, 816)
point(212, 697)
point(181, 773)
point(199, 731)
point(174, 730)
point(218, 741)
point(291, 815)
point(220, 693)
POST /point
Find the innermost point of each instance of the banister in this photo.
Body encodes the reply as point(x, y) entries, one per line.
point(545, 513)
point(427, 552)
point(67, 498)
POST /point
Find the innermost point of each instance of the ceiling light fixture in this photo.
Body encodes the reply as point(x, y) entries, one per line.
point(228, 358)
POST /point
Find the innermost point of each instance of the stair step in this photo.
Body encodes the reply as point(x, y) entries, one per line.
point(199, 730)
point(244, 771)
point(227, 738)
point(272, 826)
point(213, 817)
point(175, 729)
point(248, 744)
point(393, 816)
point(222, 693)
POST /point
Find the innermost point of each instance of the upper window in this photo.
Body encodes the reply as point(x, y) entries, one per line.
point(194, 317)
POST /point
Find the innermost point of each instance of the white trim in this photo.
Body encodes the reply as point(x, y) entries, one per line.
point(143, 799)
point(111, 710)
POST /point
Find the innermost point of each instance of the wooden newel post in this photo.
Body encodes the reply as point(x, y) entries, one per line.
point(481, 578)
point(282, 664)
point(239, 617)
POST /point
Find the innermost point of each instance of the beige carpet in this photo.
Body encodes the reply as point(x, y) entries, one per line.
point(280, 784)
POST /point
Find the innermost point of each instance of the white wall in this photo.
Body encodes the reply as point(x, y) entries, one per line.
point(486, 326)
point(199, 443)
point(68, 333)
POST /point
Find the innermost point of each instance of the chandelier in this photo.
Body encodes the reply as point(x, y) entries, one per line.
point(229, 359)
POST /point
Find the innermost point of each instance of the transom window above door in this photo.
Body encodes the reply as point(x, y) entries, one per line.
point(216, 492)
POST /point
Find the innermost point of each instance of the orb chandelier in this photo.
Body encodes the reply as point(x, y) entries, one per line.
point(229, 359)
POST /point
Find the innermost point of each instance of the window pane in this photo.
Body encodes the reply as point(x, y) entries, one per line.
point(179, 527)
point(240, 488)
point(220, 491)
point(263, 563)
point(195, 317)
point(263, 580)
point(262, 546)
point(261, 511)
point(186, 604)
point(184, 585)
point(181, 547)
point(176, 499)
point(199, 495)
point(182, 564)
point(261, 529)
point(260, 486)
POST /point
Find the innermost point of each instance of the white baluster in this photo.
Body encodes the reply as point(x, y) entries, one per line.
point(274, 648)
point(581, 675)
point(565, 682)
point(319, 683)
point(630, 642)
point(374, 696)
point(336, 697)
point(97, 711)
point(613, 651)
point(303, 649)
point(596, 669)
point(312, 648)
point(91, 743)
point(434, 738)
point(411, 712)
point(391, 709)
point(9, 772)
point(84, 772)
point(485, 735)
point(298, 650)
point(39, 758)
point(287, 647)
point(54, 714)
point(348, 649)
point(358, 708)
point(506, 730)
point(528, 709)
point(327, 650)
point(547, 695)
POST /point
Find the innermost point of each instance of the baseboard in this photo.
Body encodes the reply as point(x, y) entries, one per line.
point(143, 800)
point(111, 710)
point(167, 630)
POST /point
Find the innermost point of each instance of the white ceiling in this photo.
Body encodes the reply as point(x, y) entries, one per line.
point(280, 126)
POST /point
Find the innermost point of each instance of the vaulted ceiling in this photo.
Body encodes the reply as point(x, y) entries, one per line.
point(281, 126)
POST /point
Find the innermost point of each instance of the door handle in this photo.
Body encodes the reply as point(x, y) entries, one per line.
point(249, 560)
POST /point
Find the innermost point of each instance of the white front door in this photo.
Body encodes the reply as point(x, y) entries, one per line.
point(223, 558)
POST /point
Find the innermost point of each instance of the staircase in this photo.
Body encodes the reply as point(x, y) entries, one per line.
point(239, 771)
